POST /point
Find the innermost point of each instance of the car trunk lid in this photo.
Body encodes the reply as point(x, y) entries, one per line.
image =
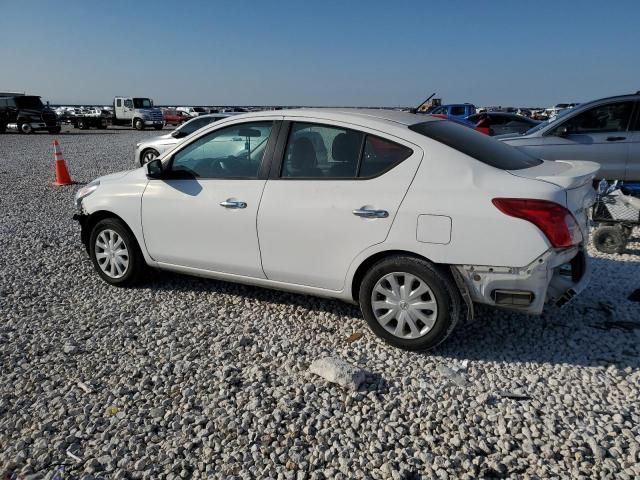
point(575, 177)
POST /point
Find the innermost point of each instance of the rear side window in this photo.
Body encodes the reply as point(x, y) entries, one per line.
point(381, 155)
point(118, 103)
point(476, 145)
point(317, 151)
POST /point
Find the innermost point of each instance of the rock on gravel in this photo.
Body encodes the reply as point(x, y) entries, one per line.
point(227, 365)
point(336, 370)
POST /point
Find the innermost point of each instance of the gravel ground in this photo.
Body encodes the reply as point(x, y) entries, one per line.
point(192, 378)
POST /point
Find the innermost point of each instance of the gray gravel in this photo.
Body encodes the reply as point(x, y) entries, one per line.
point(191, 378)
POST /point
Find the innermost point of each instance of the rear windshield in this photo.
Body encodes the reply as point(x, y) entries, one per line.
point(476, 145)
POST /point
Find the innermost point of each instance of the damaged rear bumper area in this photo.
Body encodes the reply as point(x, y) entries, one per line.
point(557, 276)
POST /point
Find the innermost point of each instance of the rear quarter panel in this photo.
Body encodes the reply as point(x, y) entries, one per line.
point(451, 184)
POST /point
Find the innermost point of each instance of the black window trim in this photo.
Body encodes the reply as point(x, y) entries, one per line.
point(265, 163)
point(634, 126)
point(278, 159)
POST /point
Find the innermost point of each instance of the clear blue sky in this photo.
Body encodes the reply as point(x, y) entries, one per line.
point(321, 52)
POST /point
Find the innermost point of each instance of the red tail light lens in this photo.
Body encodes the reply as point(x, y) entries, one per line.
point(555, 221)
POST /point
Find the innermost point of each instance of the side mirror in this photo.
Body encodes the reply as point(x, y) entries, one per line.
point(154, 169)
point(176, 134)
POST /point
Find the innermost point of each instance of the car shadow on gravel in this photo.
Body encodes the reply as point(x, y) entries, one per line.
point(592, 331)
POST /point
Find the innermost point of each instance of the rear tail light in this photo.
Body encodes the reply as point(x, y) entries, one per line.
point(555, 221)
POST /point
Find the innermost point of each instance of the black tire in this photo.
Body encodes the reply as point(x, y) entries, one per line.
point(25, 128)
point(54, 130)
point(136, 268)
point(609, 239)
point(445, 293)
point(145, 158)
point(82, 125)
point(138, 124)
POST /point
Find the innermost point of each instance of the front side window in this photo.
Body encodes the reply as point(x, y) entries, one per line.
point(232, 152)
point(613, 117)
point(28, 102)
point(128, 103)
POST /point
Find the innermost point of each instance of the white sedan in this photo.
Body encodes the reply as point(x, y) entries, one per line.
point(412, 217)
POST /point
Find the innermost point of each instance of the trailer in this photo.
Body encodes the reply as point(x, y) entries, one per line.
point(93, 118)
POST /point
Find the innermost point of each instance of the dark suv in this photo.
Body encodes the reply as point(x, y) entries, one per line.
point(26, 114)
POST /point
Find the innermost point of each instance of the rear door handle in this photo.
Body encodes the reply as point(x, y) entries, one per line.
point(615, 139)
point(370, 213)
point(229, 203)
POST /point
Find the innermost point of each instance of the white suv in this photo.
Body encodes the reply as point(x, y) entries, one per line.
point(414, 218)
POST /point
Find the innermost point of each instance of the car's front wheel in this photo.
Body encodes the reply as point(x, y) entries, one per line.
point(148, 155)
point(138, 124)
point(115, 253)
point(409, 303)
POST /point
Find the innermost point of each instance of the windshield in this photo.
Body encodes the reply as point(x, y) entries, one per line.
point(28, 102)
point(198, 109)
point(142, 103)
point(195, 124)
point(476, 145)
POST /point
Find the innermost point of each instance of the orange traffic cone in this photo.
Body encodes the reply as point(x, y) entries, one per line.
point(62, 173)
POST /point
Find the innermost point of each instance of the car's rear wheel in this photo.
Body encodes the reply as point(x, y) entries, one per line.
point(115, 253)
point(409, 303)
point(609, 239)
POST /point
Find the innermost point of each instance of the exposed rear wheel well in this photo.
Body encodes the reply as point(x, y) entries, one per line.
point(373, 259)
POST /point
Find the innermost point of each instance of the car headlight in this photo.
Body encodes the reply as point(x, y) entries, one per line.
point(85, 191)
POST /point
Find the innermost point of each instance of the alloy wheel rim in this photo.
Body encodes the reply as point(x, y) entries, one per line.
point(404, 305)
point(149, 155)
point(111, 253)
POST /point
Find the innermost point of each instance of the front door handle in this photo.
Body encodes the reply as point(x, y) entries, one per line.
point(229, 203)
point(615, 139)
point(370, 213)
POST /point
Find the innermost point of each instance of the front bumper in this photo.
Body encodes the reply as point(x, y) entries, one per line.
point(153, 123)
point(82, 219)
point(557, 276)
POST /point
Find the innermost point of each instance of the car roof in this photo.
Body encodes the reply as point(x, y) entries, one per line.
point(350, 115)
